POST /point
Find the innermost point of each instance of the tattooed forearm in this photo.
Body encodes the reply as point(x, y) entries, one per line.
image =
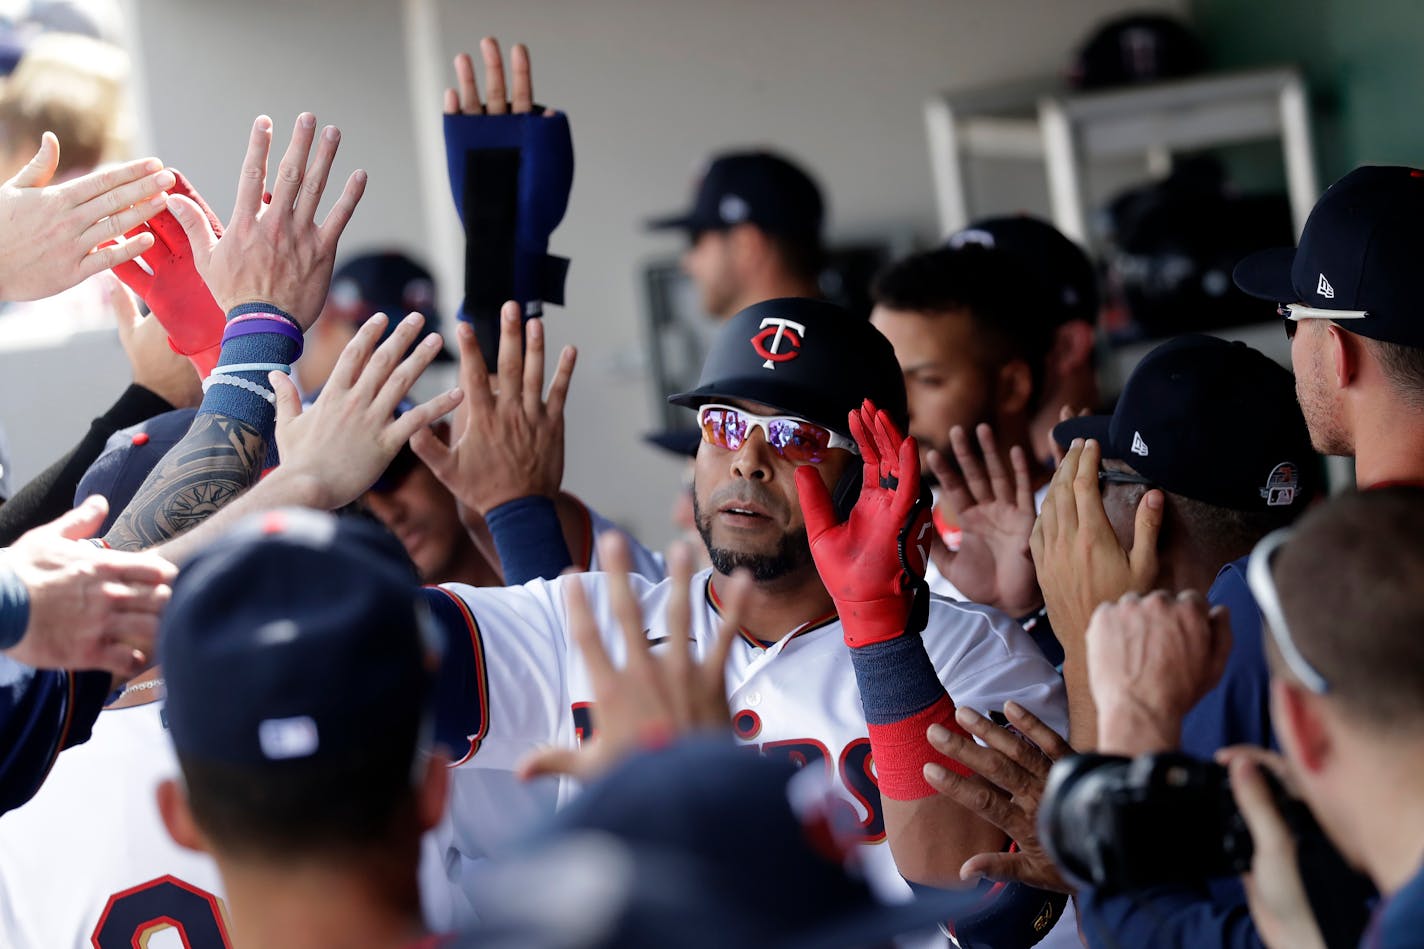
point(216, 461)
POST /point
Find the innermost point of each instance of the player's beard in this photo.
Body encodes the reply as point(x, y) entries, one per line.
point(793, 552)
point(1327, 435)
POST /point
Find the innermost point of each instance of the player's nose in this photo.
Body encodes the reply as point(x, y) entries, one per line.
point(753, 460)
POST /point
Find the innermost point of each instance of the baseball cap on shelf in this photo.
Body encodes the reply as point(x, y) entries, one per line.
point(1358, 258)
point(266, 666)
point(803, 357)
point(1211, 420)
point(129, 455)
point(758, 187)
point(658, 852)
point(1046, 255)
point(1137, 48)
point(388, 282)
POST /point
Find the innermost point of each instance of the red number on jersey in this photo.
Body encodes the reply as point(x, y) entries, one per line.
point(130, 918)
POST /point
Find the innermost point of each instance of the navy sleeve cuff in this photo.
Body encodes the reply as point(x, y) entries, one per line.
point(529, 539)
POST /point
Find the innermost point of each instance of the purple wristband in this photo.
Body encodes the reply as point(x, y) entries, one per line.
point(273, 325)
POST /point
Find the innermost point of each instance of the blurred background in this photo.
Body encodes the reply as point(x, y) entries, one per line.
point(861, 93)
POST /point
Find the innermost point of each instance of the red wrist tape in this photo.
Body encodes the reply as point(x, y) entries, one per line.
point(901, 750)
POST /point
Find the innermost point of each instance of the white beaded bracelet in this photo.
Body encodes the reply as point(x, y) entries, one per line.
point(254, 388)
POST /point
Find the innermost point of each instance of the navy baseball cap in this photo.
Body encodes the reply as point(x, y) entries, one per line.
point(761, 188)
point(129, 455)
point(388, 282)
point(298, 634)
point(1211, 420)
point(1046, 255)
point(658, 853)
point(803, 357)
point(1358, 259)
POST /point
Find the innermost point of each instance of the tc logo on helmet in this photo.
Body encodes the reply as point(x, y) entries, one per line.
point(774, 339)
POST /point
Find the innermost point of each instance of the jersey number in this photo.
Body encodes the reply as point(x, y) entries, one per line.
point(132, 917)
point(853, 767)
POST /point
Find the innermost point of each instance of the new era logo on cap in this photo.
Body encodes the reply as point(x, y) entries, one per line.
point(733, 209)
point(283, 738)
point(1139, 447)
point(971, 235)
point(1357, 259)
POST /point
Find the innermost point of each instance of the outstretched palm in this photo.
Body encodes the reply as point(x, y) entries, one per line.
point(996, 514)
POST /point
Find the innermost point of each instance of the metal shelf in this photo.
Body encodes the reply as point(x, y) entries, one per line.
point(1069, 131)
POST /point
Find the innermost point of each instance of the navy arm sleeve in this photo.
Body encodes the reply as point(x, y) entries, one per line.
point(530, 540)
point(42, 712)
point(461, 691)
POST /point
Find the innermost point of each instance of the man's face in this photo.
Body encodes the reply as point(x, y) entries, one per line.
point(944, 381)
point(1314, 371)
point(747, 508)
point(709, 263)
point(423, 515)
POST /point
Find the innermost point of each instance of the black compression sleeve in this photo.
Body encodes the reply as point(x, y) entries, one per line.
point(51, 493)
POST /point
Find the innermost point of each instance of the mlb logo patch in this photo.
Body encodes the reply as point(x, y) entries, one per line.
point(1282, 485)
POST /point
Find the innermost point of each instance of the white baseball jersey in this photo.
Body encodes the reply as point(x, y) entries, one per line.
point(88, 863)
point(796, 698)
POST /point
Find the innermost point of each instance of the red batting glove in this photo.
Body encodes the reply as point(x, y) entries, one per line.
point(873, 565)
point(174, 292)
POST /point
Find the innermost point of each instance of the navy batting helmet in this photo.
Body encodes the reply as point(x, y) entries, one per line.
point(804, 357)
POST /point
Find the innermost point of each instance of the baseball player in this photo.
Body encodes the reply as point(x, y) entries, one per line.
point(773, 404)
point(124, 879)
point(753, 231)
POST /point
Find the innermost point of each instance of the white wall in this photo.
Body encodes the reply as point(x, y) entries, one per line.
point(651, 88)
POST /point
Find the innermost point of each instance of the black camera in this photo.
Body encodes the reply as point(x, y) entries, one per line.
point(1118, 823)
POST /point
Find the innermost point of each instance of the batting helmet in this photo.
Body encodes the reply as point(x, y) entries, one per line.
point(804, 357)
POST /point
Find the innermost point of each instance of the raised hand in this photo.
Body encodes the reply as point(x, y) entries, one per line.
point(275, 253)
point(509, 438)
point(1079, 560)
point(993, 564)
point(341, 444)
point(90, 608)
point(1150, 660)
point(465, 99)
point(655, 697)
point(510, 210)
point(49, 233)
point(873, 564)
point(171, 287)
point(1010, 775)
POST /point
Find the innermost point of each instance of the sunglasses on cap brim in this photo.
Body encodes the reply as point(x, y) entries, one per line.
point(1293, 313)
